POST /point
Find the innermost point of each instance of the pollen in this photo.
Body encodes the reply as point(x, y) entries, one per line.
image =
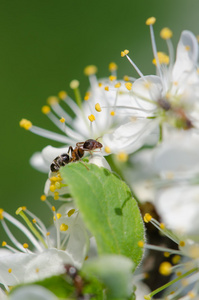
point(48, 233)
point(57, 185)
point(3, 244)
point(151, 21)
point(52, 188)
point(112, 66)
point(52, 100)
point(45, 109)
point(62, 120)
point(166, 33)
point(147, 85)
point(71, 212)
point(58, 216)
point(106, 88)
point(162, 226)
point(62, 95)
point(107, 149)
point(53, 208)
point(126, 78)
point(37, 270)
point(98, 107)
point(124, 53)
point(26, 124)
point(181, 243)
point(178, 273)
point(34, 221)
point(162, 57)
point(191, 294)
point(165, 268)
point(90, 70)
point(56, 196)
point(74, 84)
point(112, 113)
point(86, 257)
point(25, 245)
point(141, 244)
point(43, 198)
point(197, 37)
point(10, 270)
point(1, 213)
point(24, 207)
point(128, 85)
point(91, 118)
point(166, 254)
point(122, 156)
point(147, 218)
point(100, 84)
point(176, 259)
point(187, 48)
point(117, 85)
point(112, 78)
point(87, 96)
point(63, 227)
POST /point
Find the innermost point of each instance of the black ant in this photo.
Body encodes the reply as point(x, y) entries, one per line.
point(76, 154)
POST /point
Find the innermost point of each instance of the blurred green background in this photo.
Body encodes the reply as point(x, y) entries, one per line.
point(46, 44)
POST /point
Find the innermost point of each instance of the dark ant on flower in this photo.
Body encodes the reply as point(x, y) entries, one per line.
point(75, 154)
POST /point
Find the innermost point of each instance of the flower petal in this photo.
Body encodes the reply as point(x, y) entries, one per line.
point(32, 292)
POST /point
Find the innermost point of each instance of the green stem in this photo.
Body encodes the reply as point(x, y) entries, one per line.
point(78, 97)
point(161, 135)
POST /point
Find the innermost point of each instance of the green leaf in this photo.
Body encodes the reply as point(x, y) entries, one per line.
point(108, 209)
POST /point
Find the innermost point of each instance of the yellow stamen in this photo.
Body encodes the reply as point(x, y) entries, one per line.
point(53, 208)
point(48, 233)
point(141, 244)
point(3, 244)
point(58, 216)
point(112, 113)
point(34, 221)
point(147, 297)
point(178, 273)
point(87, 96)
point(117, 85)
point(162, 225)
point(100, 84)
point(191, 294)
point(90, 70)
point(165, 268)
point(52, 188)
point(74, 84)
point(166, 33)
point(112, 78)
point(25, 245)
point(45, 109)
point(112, 66)
point(107, 149)
point(19, 210)
point(147, 218)
point(194, 251)
point(185, 282)
point(52, 100)
point(26, 124)
point(63, 227)
point(122, 156)
point(128, 85)
point(151, 21)
point(62, 95)
point(1, 213)
point(106, 88)
point(71, 212)
point(86, 257)
point(176, 259)
point(62, 120)
point(24, 207)
point(126, 78)
point(166, 254)
point(197, 37)
point(187, 48)
point(43, 197)
point(37, 270)
point(10, 270)
point(162, 57)
point(91, 118)
point(124, 53)
point(56, 196)
point(182, 243)
point(98, 107)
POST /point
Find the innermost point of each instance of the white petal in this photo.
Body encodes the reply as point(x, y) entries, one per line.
point(99, 160)
point(39, 163)
point(49, 153)
point(34, 292)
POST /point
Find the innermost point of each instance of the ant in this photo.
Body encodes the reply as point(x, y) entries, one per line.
point(76, 154)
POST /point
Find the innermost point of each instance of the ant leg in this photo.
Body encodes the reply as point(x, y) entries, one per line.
point(70, 149)
point(80, 144)
point(84, 164)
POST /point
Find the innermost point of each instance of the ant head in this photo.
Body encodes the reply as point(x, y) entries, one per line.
point(92, 145)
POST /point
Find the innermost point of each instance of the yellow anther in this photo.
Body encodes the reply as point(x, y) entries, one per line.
point(62, 95)
point(112, 66)
point(107, 149)
point(55, 178)
point(112, 113)
point(10, 270)
point(100, 84)
point(147, 218)
point(124, 53)
point(53, 208)
point(175, 83)
point(185, 282)
point(176, 259)
point(52, 100)
point(87, 96)
point(162, 58)
point(57, 185)
point(48, 233)
point(43, 197)
point(63, 227)
point(86, 257)
point(197, 37)
point(166, 254)
point(187, 48)
point(26, 124)
point(58, 216)
point(34, 221)
point(24, 207)
point(181, 243)
point(37, 270)
point(52, 188)
point(1, 213)
point(3, 244)
point(90, 70)
point(62, 120)
point(56, 193)
point(162, 225)
point(117, 85)
point(18, 210)
point(166, 33)
point(25, 245)
point(128, 85)
point(91, 118)
point(165, 268)
point(54, 218)
point(191, 294)
point(126, 78)
point(194, 251)
point(147, 85)
point(106, 88)
point(112, 78)
point(147, 297)
point(141, 244)
point(45, 109)
point(56, 196)
point(151, 21)
point(98, 107)
point(122, 156)
point(178, 273)
point(71, 212)
point(74, 84)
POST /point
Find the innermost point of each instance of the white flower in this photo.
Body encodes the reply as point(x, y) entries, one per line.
point(65, 242)
point(171, 96)
point(31, 292)
point(93, 118)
